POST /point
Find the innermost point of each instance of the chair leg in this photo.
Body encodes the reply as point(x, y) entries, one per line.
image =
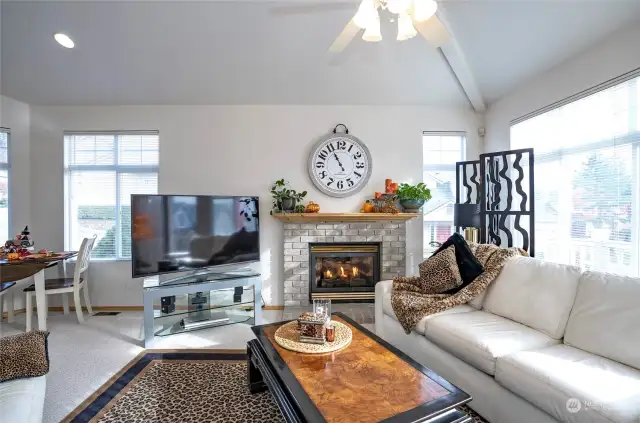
point(76, 301)
point(1, 303)
point(10, 314)
point(85, 289)
point(65, 303)
point(29, 310)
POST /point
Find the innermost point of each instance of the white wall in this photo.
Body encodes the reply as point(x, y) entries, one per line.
point(15, 116)
point(612, 57)
point(235, 150)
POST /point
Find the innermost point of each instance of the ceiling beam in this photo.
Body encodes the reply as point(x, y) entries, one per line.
point(454, 55)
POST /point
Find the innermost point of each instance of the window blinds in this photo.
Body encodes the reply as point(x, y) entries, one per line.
point(4, 184)
point(587, 179)
point(441, 151)
point(102, 170)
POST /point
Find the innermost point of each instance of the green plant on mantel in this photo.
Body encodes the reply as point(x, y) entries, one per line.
point(414, 192)
point(285, 198)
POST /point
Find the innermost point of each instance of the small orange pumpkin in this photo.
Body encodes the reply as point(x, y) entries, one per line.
point(368, 207)
point(312, 207)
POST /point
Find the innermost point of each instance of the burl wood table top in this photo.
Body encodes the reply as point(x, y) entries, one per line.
point(368, 381)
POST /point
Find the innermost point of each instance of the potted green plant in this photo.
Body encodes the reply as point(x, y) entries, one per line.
point(412, 197)
point(284, 197)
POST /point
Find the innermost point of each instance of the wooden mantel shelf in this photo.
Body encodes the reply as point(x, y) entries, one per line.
point(343, 217)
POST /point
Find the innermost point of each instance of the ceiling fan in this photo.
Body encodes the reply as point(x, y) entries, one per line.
point(412, 16)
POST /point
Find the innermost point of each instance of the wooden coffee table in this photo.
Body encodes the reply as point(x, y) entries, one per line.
point(368, 381)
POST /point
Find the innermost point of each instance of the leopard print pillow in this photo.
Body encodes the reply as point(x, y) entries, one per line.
point(24, 355)
point(440, 273)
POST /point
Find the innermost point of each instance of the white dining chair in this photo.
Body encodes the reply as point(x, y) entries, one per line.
point(6, 293)
point(66, 286)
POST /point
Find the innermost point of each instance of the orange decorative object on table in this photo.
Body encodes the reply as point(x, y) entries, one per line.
point(394, 187)
point(377, 195)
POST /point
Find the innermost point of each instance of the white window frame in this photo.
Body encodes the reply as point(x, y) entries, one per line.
point(442, 167)
point(118, 169)
point(630, 138)
point(7, 166)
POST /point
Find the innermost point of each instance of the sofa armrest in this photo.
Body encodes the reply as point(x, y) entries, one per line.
point(22, 400)
point(382, 288)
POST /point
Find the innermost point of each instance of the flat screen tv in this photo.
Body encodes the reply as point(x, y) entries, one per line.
point(179, 233)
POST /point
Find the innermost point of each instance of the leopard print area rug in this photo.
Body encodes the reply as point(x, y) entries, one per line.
point(188, 386)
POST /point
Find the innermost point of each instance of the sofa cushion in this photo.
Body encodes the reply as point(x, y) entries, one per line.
point(24, 355)
point(439, 273)
point(478, 301)
point(22, 400)
point(605, 317)
point(551, 378)
point(470, 267)
point(422, 324)
point(535, 293)
point(479, 338)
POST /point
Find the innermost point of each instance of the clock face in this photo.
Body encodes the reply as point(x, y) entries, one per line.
point(340, 165)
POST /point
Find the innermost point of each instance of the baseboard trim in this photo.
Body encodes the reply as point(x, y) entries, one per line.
point(273, 307)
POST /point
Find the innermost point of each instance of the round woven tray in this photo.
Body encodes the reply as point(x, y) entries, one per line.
point(287, 336)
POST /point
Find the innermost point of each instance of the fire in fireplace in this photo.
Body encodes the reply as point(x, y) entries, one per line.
point(346, 271)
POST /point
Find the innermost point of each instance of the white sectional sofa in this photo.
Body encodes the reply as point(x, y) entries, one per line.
point(22, 400)
point(543, 336)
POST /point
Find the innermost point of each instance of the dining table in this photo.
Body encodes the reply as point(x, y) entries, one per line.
point(12, 271)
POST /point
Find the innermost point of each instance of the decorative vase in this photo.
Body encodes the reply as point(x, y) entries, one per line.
point(412, 205)
point(288, 204)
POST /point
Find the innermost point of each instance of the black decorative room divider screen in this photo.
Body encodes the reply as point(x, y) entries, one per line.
point(502, 183)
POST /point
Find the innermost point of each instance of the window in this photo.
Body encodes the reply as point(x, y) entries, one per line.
point(4, 184)
point(102, 170)
point(587, 174)
point(441, 151)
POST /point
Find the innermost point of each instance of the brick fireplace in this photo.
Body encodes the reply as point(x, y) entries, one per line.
point(390, 237)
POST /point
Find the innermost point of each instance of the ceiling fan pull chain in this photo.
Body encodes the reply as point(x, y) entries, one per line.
point(346, 130)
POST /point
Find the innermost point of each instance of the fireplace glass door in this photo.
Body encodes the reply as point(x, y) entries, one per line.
point(344, 271)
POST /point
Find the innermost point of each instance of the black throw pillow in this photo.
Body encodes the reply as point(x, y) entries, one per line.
point(470, 267)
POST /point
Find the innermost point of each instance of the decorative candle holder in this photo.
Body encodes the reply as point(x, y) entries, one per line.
point(322, 309)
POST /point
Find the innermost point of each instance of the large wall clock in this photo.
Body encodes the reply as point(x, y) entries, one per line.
point(339, 164)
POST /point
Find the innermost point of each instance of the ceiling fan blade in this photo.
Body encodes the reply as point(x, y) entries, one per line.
point(345, 37)
point(294, 9)
point(434, 31)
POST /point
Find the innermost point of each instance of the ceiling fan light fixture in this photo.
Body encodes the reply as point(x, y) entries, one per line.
point(366, 15)
point(372, 33)
point(424, 9)
point(398, 6)
point(406, 30)
point(64, 40)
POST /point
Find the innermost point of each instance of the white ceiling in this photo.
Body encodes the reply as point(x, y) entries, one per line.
point(250, 52)
point(507, 42)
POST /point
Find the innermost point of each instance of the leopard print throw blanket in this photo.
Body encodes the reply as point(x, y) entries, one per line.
point(413, 299)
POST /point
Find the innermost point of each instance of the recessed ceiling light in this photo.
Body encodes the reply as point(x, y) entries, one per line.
point(64, 40)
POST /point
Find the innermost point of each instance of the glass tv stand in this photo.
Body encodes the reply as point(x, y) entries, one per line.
point(200, 301)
